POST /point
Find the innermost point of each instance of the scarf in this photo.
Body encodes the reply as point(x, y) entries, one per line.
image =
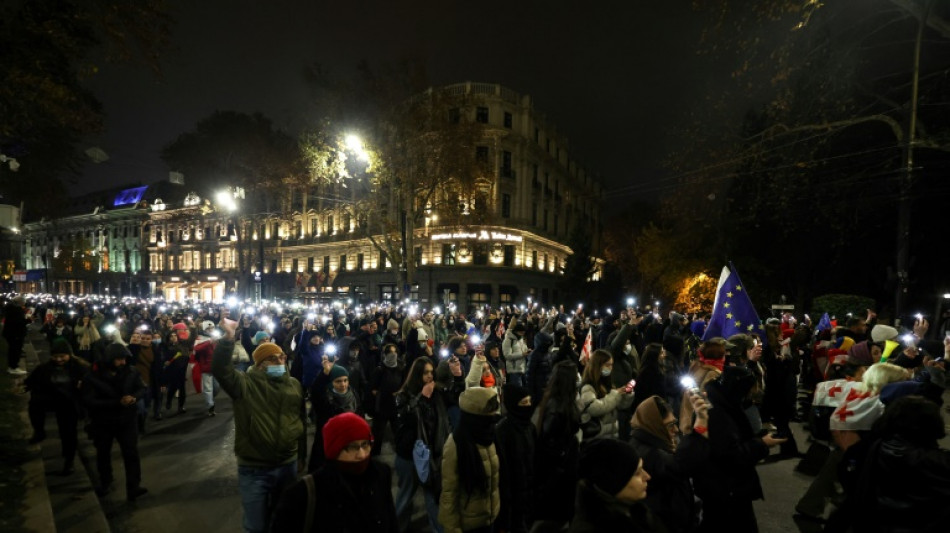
point(648, 419)
point(717, 363)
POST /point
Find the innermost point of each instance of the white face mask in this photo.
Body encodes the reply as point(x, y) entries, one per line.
point(627, 348)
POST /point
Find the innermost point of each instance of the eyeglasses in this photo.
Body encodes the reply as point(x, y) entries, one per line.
point(354, 447)
point(673, 425)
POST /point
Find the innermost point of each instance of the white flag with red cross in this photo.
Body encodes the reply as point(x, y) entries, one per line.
point(830, 393)
point(588, 345)
point(857, 410)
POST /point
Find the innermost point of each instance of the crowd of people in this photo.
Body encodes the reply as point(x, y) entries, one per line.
point(511, 419)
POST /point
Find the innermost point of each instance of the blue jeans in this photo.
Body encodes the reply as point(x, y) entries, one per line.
point(408, 483)
point(261, 487)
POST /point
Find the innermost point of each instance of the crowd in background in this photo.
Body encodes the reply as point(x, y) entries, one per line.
point(520, 418)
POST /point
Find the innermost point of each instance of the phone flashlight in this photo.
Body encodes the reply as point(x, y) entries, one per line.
point(215, 334)
point(688, 382)
point(330, 349)
point(629, 302)
point(444, 352)
point(919, 316)
point(476, 339)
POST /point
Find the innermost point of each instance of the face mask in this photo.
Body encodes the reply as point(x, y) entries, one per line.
point(354, 469)
point(390, 360)
point(605, 372)
point(394, 332)
point(354, 355)
point(156, 341)
point(627, 348)
point(276, 371)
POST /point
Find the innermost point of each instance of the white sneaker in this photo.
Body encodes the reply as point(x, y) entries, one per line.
point(16, 371)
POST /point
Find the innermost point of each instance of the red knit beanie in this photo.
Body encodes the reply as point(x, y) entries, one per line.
point(341, 430)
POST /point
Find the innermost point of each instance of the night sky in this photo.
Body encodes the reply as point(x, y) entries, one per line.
point(612, 78)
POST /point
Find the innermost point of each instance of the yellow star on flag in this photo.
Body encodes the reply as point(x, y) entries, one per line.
point(729, 294)
point(729, 316)
point(750, 327)
point(738, 287)
point(738, 324)
point(726, 305)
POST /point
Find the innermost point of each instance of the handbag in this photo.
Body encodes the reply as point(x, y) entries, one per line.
point(421, 454)
point(591, 428)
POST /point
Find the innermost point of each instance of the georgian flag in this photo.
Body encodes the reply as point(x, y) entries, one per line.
point(857, 410)
point(830, 393)
point(588, 344)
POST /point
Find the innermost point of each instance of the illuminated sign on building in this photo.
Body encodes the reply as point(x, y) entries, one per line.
point(129, 196)
point(481, 235)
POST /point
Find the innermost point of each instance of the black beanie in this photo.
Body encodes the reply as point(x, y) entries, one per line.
point(115, 351)
point(608, 464)
point(673, 344)
point(60, 345)
point(512, 393)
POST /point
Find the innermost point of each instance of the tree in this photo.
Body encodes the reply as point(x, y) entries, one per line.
point(229, 150)
point(45, 110)
point(420, 158)
point(579, 267)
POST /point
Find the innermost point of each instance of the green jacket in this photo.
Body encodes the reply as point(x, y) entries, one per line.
point(266, 411)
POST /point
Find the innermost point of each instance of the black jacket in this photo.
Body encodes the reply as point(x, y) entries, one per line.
point(597, 512)
point(670, 494)
point(556, 453)
point(102, 391)
point(14, 322)
point(45, 385)
point(343, 503)
point(514, 443)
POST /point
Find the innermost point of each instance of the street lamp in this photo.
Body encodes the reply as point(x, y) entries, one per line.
point(355, 144)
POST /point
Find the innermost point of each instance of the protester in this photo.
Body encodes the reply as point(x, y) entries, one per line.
point(350, 493)
point(599, 400)
point(54, 386)
point(515, 438)
point(110, 394)
point(14, 331)
point(266, 422)
point(331, 396)
point(555, 464)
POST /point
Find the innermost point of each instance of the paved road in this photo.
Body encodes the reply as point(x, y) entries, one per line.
point(190, 471)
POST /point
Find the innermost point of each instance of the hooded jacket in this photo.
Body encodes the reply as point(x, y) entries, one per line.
point(103, 390)
point(266, 411)
point(515, 351)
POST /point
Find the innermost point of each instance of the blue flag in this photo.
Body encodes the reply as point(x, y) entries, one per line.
point(732, 311)
point(824, 323)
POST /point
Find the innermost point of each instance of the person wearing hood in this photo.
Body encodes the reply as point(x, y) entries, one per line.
point(393, 336)
point(310, 349)
point(111, 394)
point(387, 379)
point(458, 348)
point(350, 356)
point(541, 360)
point(515, 351)
point(483, 374)
point(14, 331)
point(671, 460)
point(175, 370)
point(728, 482)
point(470, 499)
point(54, 386)
point(350, 492)
point(331, 395)
point(613, 484)
point(515, 438)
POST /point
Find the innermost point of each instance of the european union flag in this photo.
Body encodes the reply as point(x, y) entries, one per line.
point(732, 311)
point(824, 323)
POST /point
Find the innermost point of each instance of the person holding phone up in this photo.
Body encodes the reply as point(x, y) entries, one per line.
point(266, 421)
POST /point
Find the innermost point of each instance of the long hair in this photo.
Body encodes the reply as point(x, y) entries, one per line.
point(650, 360)
point(592, 375)
point(561, 393)
point(471, 472)
point(413, 384)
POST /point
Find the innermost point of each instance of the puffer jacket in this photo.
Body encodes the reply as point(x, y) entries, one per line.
point(604, 408)
point(515, 350)
point(459, 512)
point(266, 411)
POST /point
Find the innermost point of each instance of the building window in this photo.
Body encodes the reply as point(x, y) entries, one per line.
point(448, 254)
point(506, 205)
point(544, 221)
point(481, 114)
point(298, 229)
point(454, 116)
point(343, 262)
point(547, 145)
point(326, 263)
point(509, 257)
point(534, 258)
point(480, 253)
point(313, 226)
point(479, 294)
point(310, 264)
point(347, 222)
point(295, 264)
point(359, 261)
point(506, 164)
point(273, 266)
point(387, 293)
point(330, 224)
point(537, 135)
point(275, 231)
point(555, 223)
point(507, 120)
point(534, 214)
point(262, 232)
point(481, 154)
point(418, 256)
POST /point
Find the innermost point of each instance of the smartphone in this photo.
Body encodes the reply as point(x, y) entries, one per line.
point(630, 385)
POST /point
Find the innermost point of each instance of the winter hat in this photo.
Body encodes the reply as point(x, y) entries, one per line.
point(115, 351)
point(392, 324)
point(206, 325)
point(608, 464)
point(881, 333)
point(338, 371)
point(423, 336)
point(481, 401)
point(673, 344)
point(860, 354)
point(341, 430)
point(417, 324)
point(60, 345)
point(265, 350)
point(260, 337)
point(512, 394)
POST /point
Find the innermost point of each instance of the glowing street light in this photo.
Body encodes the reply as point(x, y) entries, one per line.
point(355, 145)
point(225, 199)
